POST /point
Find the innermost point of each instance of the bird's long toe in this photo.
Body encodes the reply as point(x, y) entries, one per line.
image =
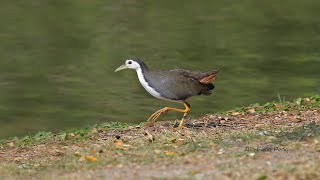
point(157, 114)
point(179, 127)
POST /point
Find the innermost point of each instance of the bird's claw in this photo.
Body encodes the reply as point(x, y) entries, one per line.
point(179, 128)
point(156, 115)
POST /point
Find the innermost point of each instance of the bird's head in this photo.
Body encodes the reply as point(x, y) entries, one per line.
point(130, 64)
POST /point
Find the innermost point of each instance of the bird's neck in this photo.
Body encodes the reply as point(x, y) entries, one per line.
point(142, 71)
point(143, 78)
point(144, 68)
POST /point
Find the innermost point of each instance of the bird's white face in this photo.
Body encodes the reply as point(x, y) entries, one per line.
point(129, 64)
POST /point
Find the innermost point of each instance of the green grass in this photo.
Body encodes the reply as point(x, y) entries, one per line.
point(282, 105)
point(303, 133)
point(79, 134)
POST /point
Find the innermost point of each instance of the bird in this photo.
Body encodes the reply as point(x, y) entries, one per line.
point(177, 85)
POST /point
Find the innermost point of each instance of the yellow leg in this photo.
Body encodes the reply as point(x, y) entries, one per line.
point(164, 110)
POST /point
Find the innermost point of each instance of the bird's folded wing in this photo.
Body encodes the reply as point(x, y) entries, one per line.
point(202, 77)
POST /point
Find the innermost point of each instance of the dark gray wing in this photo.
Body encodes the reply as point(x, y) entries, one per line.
point(202, 77)
point(175, 84)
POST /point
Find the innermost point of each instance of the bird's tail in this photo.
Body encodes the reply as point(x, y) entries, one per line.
point(209, 77)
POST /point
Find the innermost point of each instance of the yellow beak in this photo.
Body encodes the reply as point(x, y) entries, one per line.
point(121, 68)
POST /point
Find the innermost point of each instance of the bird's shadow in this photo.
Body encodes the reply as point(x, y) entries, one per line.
point(199, 125)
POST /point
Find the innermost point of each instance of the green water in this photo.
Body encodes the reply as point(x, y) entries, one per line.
point(57, 58)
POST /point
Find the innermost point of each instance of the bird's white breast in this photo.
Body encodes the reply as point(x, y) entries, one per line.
point(146, 85)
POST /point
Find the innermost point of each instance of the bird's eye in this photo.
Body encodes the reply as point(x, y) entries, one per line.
point(130, 62)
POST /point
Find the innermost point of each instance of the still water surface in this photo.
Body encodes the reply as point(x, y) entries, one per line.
point(57, 58)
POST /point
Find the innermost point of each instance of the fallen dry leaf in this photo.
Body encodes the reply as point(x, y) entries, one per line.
point(10, 144)
point(90, 158)
point(169, 153)
point(235, 113)
point(251, 110)
point(119, 144)
point(180, 141)
point(258, 125)
point(278, 106)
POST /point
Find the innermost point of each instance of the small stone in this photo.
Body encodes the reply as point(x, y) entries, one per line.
point(263, 133)
point(221, 151)
point(23, 166)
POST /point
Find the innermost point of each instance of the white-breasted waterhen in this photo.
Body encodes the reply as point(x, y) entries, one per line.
point(174, 85)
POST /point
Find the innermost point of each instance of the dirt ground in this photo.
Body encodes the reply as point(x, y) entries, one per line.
point(245, 144)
